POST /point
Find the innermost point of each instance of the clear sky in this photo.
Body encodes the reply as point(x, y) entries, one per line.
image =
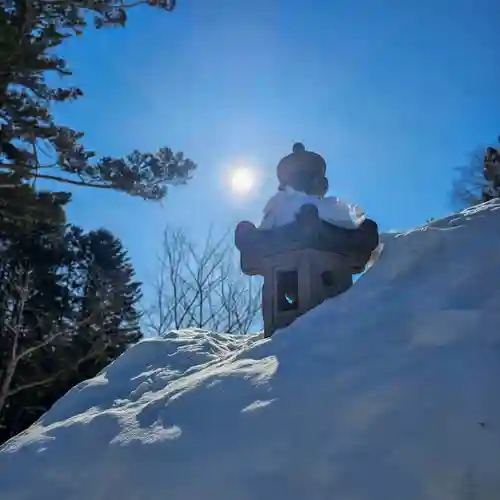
point(393, 94)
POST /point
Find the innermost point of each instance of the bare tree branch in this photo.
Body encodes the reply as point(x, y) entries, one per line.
point(200, 286)
point(92, 353)
point(22, 287)
point(14, 308)
point(470, 185)
point(50, 338)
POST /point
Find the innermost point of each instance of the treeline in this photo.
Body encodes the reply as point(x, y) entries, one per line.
point(69, 304)
point(69, 300)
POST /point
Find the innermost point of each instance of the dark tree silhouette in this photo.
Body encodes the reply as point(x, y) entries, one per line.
point(32, 144)
point(201, 287)
point(68, 306)
point(478, 181)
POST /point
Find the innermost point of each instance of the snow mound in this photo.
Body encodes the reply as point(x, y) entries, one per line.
point(389, 391)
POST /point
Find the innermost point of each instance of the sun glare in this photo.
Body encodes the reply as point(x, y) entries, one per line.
point(242, 180)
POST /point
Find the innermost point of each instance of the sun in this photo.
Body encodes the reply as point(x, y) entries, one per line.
point(242, 180)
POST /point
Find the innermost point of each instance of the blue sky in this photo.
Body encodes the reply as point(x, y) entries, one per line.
point(393, 94)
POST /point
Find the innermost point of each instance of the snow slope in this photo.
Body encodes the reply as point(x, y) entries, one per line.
point(388, 392)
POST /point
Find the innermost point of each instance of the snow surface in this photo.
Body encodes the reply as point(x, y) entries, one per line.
point(388, 392)
point(284, 206)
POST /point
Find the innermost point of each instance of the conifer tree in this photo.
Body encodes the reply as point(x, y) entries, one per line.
point(32, 143)
point(68, 306)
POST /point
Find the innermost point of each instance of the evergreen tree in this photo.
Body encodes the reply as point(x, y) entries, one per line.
point(32, 304)
point(32, 144)
point(109, 295)
point(68, 306)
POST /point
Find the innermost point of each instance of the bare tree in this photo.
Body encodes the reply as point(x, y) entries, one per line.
point(19, 344)
point(470, 183)
point(201, 287)
point(480, 180)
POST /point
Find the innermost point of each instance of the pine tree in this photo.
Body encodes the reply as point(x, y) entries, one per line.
point(32, 144)
point(69, 301)
point(33, 304)
point(109, 294)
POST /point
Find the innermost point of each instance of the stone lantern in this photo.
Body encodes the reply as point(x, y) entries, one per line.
point(307, 261)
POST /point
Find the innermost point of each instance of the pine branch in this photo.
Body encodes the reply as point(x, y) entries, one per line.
point(74, 182)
